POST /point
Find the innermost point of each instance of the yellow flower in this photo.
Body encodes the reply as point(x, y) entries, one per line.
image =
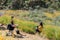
point(1, 38)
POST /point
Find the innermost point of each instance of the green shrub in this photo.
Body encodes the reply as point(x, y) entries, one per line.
point(52, 32)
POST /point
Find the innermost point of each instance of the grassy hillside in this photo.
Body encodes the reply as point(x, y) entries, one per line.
point(25, 21)
point(22, 25)
point(35, 15)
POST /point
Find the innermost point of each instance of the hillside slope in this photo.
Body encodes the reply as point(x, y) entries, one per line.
point(35, 15)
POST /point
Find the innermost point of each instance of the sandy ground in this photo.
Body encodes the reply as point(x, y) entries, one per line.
point(25, 37)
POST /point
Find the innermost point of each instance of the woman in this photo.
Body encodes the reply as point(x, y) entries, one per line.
point(39, 28)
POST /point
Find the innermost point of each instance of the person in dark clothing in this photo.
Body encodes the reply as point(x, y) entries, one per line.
point(39, 28)
point(11, 26)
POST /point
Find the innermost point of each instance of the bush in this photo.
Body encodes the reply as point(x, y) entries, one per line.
point(51, 32)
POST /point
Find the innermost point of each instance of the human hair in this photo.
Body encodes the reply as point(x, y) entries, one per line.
point(41, 24)
point(12, 22)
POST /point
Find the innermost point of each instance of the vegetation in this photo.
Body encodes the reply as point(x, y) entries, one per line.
point(37, 10)
point(28, 4)
point(22, 25)
point(36, 16)
point(50, 31)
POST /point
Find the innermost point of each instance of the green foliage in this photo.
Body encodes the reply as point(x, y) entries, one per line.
point(25, 26)
point(4, 19)
point(52, 32)
point(18, 4)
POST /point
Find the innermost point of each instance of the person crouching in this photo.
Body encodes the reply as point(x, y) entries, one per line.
point(39, 28)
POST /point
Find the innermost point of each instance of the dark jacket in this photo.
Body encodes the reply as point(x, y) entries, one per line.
point(10, 27)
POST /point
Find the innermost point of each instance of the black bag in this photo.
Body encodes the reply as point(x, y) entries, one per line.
point(17, 32)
